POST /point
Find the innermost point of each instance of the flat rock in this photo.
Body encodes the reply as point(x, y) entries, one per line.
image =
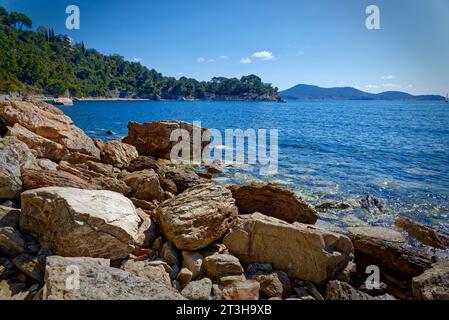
point(379, 233)
point(198, 217)
point(274, 201)
point(301, 250)
point(35, 179)
point(97, 281)
point(219, 265)
point(76, 222)
point(118, 154)
point(144, 269)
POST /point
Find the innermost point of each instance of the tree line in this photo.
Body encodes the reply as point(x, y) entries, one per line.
point(42, 62)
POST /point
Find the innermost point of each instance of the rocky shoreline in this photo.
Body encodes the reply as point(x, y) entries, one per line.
point(72, 207)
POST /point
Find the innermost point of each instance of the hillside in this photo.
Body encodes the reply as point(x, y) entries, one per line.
point(306, 92)
point(44, 63)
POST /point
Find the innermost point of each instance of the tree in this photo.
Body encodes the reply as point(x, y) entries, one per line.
point(42, 31)
point(19, 20)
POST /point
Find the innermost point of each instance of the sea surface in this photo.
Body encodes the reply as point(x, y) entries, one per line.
point(395, 151)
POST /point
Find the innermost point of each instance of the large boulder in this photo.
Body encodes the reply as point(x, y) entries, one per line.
point(301, 250)
point(118, 154)
point(144, 163)
point(184, 178)
point(41, 147)
point(153, 138)
point(145, 185)
point(145, 269)
point(220, 265)
point(49, 124)
point(274, 201)
point(14, 154)
point(198, 217)
point(433, 284)
point(35, 179)
point(93, 279)
point(74, 222)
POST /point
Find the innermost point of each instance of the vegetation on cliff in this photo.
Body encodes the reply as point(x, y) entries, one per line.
point(44, 63)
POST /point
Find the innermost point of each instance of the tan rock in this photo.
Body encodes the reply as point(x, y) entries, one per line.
point(194, 262)
point(106, 284)
point(274, 284)
point(56, 127)
point(228, 280)
point(198, 217)
point(11, 242)
point(78, 170)
point(378, 232)
point(433, 284)
point(422, 233)
point(118, 154)
point(46, 164)
point(76, 222)
point(41, 147)
point(170, 254)
point(248, 290)
point(273, 200)
point(184, 178)
point(34, 179)
point(144, 269)
point(111, 184)
point(184, 276)
point(101, 168)
point(198, 290)
point(145, 185)
point(303, 251)
point(144, 163)
point(147, 231)
point(219, 265)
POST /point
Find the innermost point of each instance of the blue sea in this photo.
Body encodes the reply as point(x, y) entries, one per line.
point(395, 151)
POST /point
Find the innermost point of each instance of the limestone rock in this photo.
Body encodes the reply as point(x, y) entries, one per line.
point(219, 265)
point(433, 284)
point(145, 185)
point(42, 147)
point(273, 200)
point(198, 290)
point(45, 123)
point(118, 154)
point(144, 269)
point(198, 217)
point(378, 232)
point(247, 290)
point(107, 284)
point(303, 251)
point(78, 222)
point(34, 179)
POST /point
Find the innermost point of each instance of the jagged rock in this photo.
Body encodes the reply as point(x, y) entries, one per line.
point(78, 222)
point(247, 290)
point(118, 154)
point(219, 265)
point(433, 284)
point(41, 147)
point(101, 168)
point(198, 217)
point(13, 155)
point(145, 205)
point(106, 284)
point(184, 276)
point(34, 179)
point(378, 232)
point(44, 122)
point(337, 290)
point(170, 254)
point(274, 284)
point(144, 163)
point(153, 138)
point(145, 185)
point(422, 233)
point(372, 204)
point(301, 250)
point(198, 290)
point(46, 164)
point(184, 178)
point(194, 262)
point(144, 269)
point(79, 170)
point(9, 217)
point(11, 242)
point(273, 200)
point(30, 266)
point(333, 205)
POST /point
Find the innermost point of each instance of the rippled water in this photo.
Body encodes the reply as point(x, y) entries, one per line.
point(395, 151)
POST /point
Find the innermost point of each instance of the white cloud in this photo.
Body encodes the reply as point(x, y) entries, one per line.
point(263, 55)
point(137, 59)
point(211, 60)
point(180, 74)
point(372, 86)
point(391, 86)
point(201, 60)
point(245, 60)
point(389, 77)
point(224, 57)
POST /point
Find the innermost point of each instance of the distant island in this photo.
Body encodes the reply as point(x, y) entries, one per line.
point(42, 63)
point(305, 92)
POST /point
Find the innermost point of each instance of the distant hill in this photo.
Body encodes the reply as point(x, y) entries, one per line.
point(305, 92)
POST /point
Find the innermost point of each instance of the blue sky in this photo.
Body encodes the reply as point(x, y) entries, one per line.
point(286, 42)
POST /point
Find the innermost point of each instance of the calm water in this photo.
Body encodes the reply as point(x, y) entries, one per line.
point(395, 151)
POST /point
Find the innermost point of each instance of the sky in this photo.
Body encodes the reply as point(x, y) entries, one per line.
point(285, 42)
